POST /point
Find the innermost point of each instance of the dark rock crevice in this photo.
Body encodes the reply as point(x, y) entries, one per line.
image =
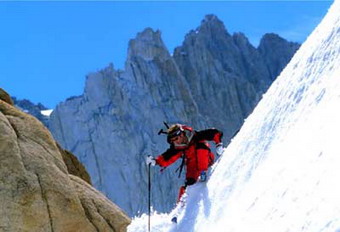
point(45, 199)
point(103, 217)
point(89, 215)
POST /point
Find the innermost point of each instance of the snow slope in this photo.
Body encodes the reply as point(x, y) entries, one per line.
point(281, 173)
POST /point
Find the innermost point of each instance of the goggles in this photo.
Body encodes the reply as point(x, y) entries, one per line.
point(175, 133)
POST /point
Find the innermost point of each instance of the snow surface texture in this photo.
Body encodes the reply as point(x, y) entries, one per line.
point(281, 172)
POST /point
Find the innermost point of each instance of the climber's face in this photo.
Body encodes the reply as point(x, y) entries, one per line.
point(179, 139)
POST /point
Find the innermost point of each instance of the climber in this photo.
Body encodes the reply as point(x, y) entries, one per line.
point(193, 147)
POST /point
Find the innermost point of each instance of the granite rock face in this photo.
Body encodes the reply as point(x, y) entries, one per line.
point(37, 191)
point(5, 97)
point(213, 79)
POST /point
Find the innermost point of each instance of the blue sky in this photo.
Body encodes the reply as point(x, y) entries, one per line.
point(47, 48)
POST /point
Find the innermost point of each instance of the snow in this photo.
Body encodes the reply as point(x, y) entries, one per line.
point(281, 172)
point(46, 113)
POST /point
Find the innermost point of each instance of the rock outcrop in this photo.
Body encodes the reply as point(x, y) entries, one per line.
point(213, 80)
point(37, 191)
point(5, 97)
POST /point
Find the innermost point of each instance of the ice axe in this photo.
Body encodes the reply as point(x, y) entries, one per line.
point(161, 131)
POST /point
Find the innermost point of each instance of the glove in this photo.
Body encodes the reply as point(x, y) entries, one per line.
point(150, 160)
point(203, 176)
point(219, 149)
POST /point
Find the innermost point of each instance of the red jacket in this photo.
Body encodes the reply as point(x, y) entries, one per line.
point(196, 147)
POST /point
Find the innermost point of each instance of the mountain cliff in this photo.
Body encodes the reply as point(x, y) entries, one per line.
point(214, 79)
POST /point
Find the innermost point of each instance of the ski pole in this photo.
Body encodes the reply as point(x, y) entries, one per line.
point(149, 197)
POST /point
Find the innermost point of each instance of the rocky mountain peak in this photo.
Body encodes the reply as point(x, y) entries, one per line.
point(211, 28)
point(273, 40)
point(148, 44)
point(211, 17)
point(276, 52)
point(148, 34)
point(270, 39)
point(212, 24)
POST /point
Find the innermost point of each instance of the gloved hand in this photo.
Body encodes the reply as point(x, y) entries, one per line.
point(203, 176)
point(219, 149)
point(150, 160)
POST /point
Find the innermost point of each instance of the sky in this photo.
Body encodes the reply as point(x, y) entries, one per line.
point(48, 48)
point(281, 171)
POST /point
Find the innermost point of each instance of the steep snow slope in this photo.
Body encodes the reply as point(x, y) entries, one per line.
point(281, 173)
